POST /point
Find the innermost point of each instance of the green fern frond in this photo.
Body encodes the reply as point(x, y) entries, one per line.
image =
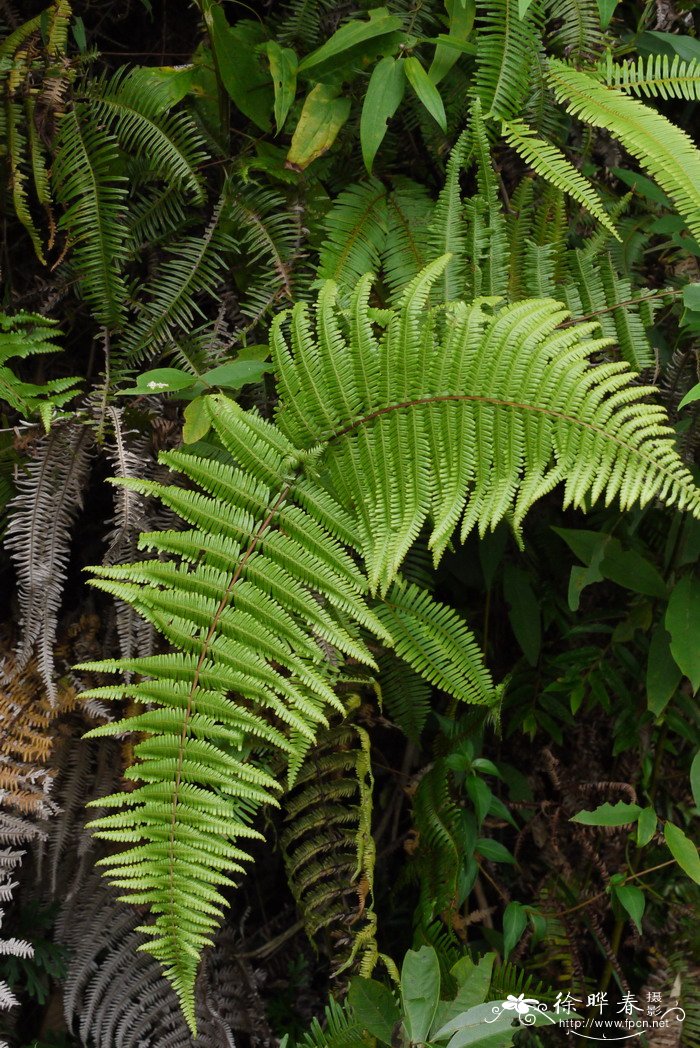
point(657, 76)
point(268, 233)
point(17, 153)
point(134, 109)
point(549, 162)
point(665, 151)
point(194, 268)
point(355, 229)
point(328, 846)
point(381, 405)
point(448, 228)
point(577, 29)
point(86, 183)
point(505, 47)
point(440, 830)
point(494, 260)
point(435, 641)
point(409, 210)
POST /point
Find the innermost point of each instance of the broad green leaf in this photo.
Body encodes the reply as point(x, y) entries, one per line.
point(474, 1019)
point(384, 93)
point(619, 814)
point(655, 42)
point(461, 14)
point(523, 6)
point(632, 900)
point(625, 567)
point(514, 924)
point(642, 185)
point(160, 380)
point(683, 623)
point(480, 795)
point(524, 611)
point(321, 119)
point(606, 9)
point(683, 851)
point(646, 826)
point(236, 373)
point(420, 991)
point(691, 297)
point(241, 72)
point(197, 421)
point(283, 70)
point(695, 779)
point(350, 35)
point(493, 850)
point(425, 90)
point(663, 674)
point(374, 1007)
point(691, 396)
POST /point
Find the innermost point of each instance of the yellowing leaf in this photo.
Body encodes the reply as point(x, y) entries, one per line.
point(321, 119)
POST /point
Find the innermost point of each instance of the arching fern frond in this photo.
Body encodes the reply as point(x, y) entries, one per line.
point(135, 109)
point(656, 76)
point(663, 149)
point(409, 211)
point(549, 162)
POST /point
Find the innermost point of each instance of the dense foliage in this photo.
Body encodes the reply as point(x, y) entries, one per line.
point(350, 522)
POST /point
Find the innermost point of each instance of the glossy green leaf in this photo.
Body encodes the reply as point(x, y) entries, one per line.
point(663, 674)
point(683, 851)
point(524, 611)
point(236, 373)
point(374, 1007)
point(691, 396)
point(695, 779)
point(321, 119)
point(655, 42)
point(426, 90)
point(351, 34)
point(523, 6)
point(160, 380)
point(514, 924)
point(606, 9)
point(283, 70)
point(384, 93)
point(493, 850)
point(632, 900)
point(619, 814)
point(241, 72)
point(197, 421)
point(461, 14)
point(683, 623)
point(646, 826)
point(420, 991)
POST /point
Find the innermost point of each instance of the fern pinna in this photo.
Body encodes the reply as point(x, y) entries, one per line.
point(388, 422)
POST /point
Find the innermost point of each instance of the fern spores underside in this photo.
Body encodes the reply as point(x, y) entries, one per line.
point(388, 422)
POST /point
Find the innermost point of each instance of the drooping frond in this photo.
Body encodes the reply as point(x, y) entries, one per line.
point(657, 76)
point(86, 182)
point(506, 44)
point(194, 267)
point(135, 109)
point(576, 27)
point(663, 149)
point(329, 850)
point(439, 855)
point(355, 229)
point(549, 162)
point(38, 537)
point(269, 234)
point(433, 639)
